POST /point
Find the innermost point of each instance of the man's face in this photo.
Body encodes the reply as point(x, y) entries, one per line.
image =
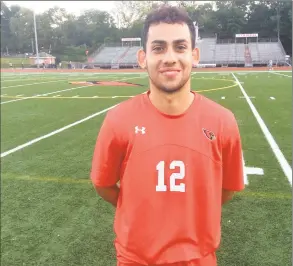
point(169, 56)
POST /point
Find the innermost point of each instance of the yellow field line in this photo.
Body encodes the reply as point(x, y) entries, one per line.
point(101, 97)
point(217, 79)
point(68, 180)
point(72, 97)
point(53, 179)
point(118, 96)
point(217, 89)
point(265, 195)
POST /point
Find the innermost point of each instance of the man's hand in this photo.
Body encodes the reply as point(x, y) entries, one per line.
point(227, 195)
point(109, 194)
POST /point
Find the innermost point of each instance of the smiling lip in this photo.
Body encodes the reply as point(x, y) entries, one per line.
point(170, 72)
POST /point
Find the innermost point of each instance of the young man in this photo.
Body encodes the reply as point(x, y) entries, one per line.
point(270, 65)
point(177, 156)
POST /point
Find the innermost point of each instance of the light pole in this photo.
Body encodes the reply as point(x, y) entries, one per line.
point(278, 21)
point(196, 31)
point(36, 39)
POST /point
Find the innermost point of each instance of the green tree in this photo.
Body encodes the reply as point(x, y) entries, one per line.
point(230, 18)
point(7, 38)
point(64, 34)
point(21, 27)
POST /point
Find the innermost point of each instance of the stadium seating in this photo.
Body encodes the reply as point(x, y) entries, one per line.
point(109, 55)
point(207, 47)
point(262, 52)
point(210, 53)
point(223, 53)
point(130, 57)
point(239, 52)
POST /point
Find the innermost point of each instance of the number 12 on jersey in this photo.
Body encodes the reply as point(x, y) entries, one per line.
point(161, 186)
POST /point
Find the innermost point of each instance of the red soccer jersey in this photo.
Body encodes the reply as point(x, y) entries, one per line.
point(172, 170)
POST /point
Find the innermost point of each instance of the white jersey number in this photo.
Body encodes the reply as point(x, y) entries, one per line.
point(161, 176)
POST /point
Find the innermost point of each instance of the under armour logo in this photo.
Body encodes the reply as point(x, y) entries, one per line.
point(142, 130)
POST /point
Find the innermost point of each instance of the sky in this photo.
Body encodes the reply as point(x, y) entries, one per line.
point(75, 7)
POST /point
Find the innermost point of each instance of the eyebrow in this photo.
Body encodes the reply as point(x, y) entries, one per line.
point(164, 42)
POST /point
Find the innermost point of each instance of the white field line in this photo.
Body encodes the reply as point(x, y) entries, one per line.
point(139, 73)
point(40, 78)
point(26, 79)
point(57, 131)
point(54, 132)
point(281, 74)
point(64, 75)
point(46, 94)
point(274, 146)
point(198, 72)
point(57, 79)
point(237, 71)
point(14, 86)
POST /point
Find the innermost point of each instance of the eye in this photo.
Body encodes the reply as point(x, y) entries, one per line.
point(181, 47)
point(158, 49)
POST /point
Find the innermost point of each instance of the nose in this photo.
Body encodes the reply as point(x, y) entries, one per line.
point(169, 57)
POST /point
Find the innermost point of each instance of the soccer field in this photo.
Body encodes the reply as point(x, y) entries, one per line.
point(51, 214)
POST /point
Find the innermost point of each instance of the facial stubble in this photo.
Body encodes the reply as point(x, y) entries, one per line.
point(165, 89)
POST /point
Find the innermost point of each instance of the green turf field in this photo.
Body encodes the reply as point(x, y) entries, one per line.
point(51, 214)
point(16, 61)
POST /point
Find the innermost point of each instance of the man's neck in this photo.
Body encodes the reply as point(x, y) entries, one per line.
point(173, 103)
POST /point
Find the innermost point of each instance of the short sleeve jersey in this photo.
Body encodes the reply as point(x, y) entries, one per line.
point(172, 170)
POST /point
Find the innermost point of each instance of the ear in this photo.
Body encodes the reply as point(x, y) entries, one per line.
point(195, 56)
point(141, 58)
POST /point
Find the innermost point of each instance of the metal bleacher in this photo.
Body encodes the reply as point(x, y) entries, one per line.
point(130, 56)
point(234, 53)
point(262, 52)
point(223, 53)
point(109, 54)
point(211, 52)
point(207, 48)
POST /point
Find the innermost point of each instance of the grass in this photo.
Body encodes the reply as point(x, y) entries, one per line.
point(51, 214)
point(16, 61)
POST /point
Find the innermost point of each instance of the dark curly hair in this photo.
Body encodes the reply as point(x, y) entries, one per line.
point(167, 14)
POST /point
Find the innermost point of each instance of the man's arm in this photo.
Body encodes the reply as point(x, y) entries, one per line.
point(106, 162)
point(233, 177)
point(109, 194)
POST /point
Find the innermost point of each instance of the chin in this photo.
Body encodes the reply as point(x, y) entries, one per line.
point(168, 86)
point(170, 89)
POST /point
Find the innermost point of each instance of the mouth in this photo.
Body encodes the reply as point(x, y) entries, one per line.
point(170, 72)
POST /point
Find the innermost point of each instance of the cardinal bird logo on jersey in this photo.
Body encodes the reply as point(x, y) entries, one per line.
point(209, 134)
